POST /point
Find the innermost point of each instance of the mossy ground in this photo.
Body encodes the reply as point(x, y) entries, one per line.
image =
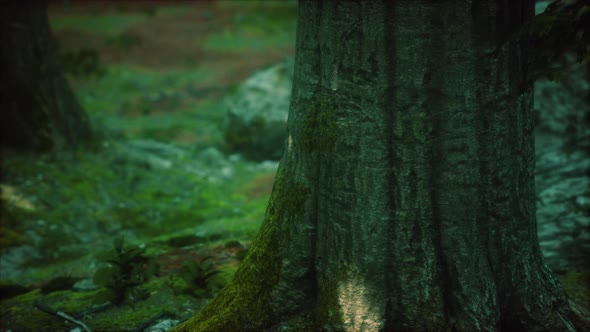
point(151, 73)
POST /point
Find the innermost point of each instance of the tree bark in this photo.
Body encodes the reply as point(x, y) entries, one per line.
point(38, 109)
point(405, 195)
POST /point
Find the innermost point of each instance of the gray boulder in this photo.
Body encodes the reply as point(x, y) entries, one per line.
point(256, 117)
point(562, 142)
point(562, 107)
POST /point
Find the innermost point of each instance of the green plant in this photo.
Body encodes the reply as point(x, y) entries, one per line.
point(200, 278)
point(127, 269)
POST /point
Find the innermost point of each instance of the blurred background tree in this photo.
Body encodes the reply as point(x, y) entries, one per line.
point(39, 109)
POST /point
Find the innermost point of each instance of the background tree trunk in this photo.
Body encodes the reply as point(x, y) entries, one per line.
point(405, 196)
point(39, 110)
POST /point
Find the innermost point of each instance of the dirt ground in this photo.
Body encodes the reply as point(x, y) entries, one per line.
point(173, 41)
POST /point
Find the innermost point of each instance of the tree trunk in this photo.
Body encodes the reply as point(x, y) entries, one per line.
point(38, 109)
point(405, 196)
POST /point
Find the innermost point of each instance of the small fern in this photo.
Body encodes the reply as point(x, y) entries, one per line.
point(200, 278)
point(127, 268)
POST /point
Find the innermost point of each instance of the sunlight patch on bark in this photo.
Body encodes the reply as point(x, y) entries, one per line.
point(357, 313)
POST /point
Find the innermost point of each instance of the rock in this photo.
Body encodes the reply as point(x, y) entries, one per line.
point(540, 6)
point(147, 153)
point(85, 285)
point(562, 106)
point(163, 326)
point(163, 150)
point(212, 165)
point(563, 197)
point(562, 141)
point(256, 119)
point(268, 165)
point(561, 110)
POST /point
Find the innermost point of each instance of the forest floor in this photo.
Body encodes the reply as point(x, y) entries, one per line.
point(158, 195)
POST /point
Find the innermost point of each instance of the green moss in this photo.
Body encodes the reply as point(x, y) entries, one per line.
point(19, 313)
point(96, 24)
point(95, 188)
point(292, 199)
point(245, 302)
point(319, 129)
point(432, 311)
point(292, 205)
point(271, 25)
point(575, 282)
point(328, 311)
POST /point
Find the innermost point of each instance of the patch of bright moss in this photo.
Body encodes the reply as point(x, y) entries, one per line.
point(19, 313)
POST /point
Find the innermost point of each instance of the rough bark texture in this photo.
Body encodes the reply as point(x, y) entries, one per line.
point(405, 196)
point(38, 109)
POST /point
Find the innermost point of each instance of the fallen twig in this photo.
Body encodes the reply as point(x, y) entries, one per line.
point(45, 308)
point(94, 309)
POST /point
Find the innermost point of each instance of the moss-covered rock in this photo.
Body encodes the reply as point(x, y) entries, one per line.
point(256, 120)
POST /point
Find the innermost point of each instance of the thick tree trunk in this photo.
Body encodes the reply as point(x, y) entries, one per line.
point(405, 195)
point(38, 109)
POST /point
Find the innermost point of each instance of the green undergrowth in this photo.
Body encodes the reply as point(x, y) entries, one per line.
point(81, 197)
point(113, 23)
point(256, 25)
point(119, 87)
point(165, 105)
point(82, 200)
point(199, 278)
point(127, 268)
point(71, 205)
point(251, 38)
point(21, 313)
